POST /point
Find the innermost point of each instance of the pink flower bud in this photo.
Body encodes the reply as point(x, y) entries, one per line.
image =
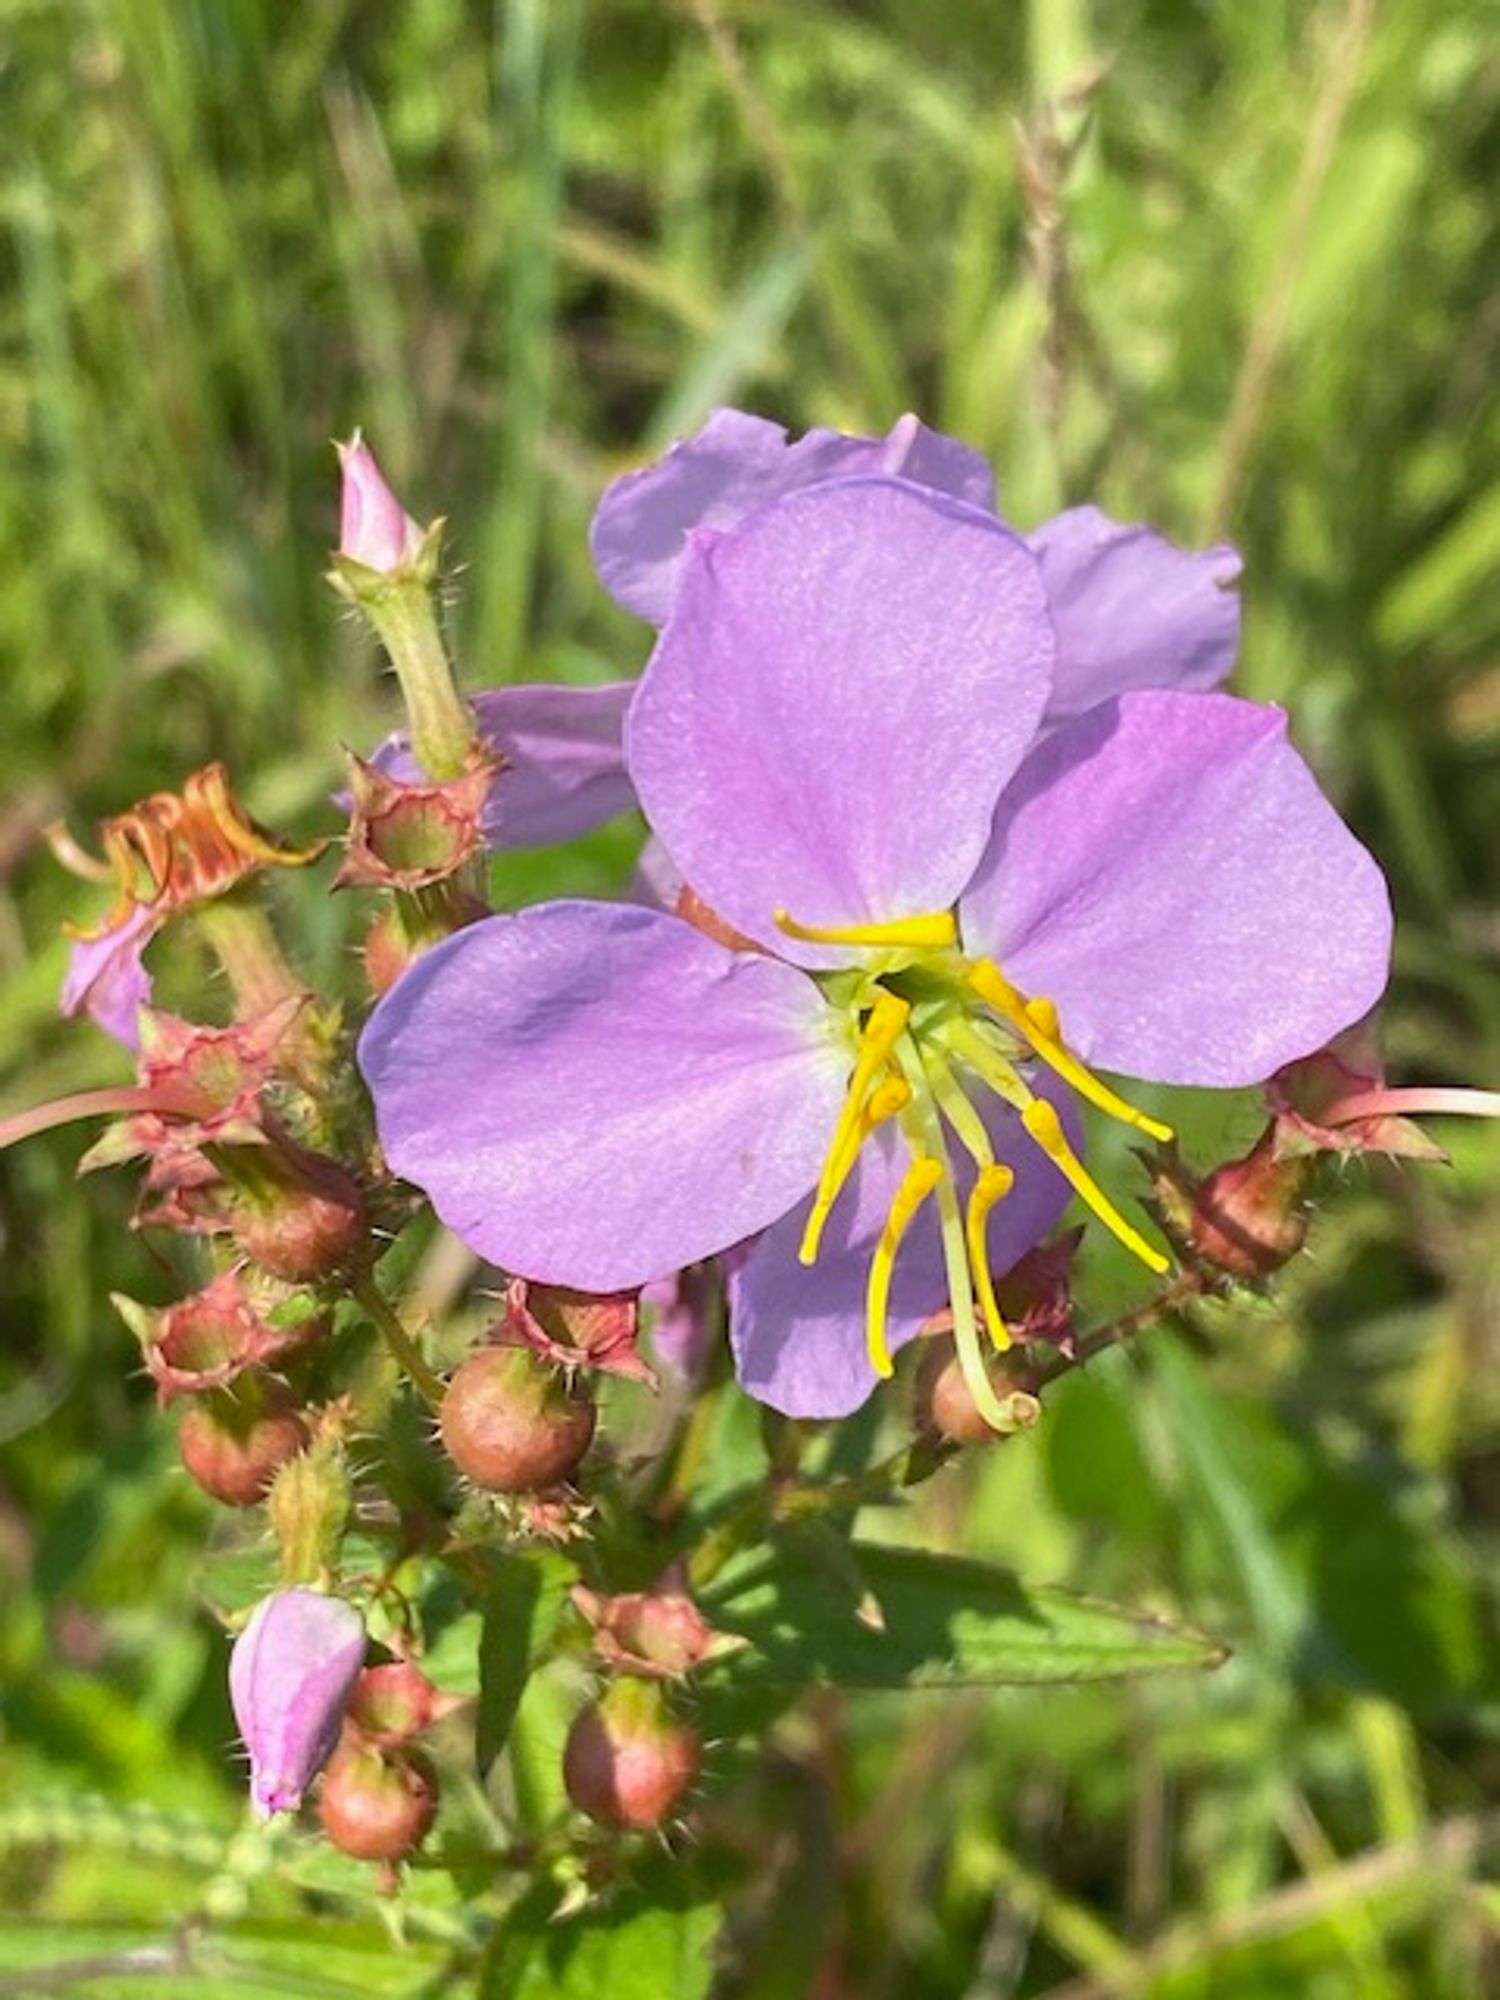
point(374, 528)
point(290, 1677)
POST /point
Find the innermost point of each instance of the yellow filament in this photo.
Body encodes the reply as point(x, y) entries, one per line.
point(891, 1095)
point(993, 1184)
point(1045, 1127)
point(922, 1176)
point(934, 932)
point(1037, 1022)
point(883, 1027)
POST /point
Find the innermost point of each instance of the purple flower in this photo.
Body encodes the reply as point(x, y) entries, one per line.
point(107, 978)
point(562, 760)
point(950, 916)
point(291, 1674)
point(1128, 608)
point(374, 528)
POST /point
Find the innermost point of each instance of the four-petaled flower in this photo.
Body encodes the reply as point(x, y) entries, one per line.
point(972, 857)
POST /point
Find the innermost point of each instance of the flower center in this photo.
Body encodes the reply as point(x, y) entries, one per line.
point(930, 1024)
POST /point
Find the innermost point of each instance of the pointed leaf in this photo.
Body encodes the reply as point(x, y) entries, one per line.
point(934, 1621)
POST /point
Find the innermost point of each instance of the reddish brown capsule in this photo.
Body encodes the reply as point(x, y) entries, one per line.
point(629, 1761)
point(394, 1702)
point(945, 1406)
point(374, 1807)
point(234, 1447)
point(511, 1423)
point(1247, 1218)
point(299, 1216)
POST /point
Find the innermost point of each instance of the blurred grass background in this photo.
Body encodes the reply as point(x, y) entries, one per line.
point(1229, 268)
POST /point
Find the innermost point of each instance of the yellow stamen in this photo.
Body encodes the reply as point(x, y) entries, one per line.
point(922, 1176)
point(888, 1097)
point(993, 1184)
point(1045, 1127)
point(1044, 1014)
point(934, 932)
point(883, 1027)
point(1037, 1022)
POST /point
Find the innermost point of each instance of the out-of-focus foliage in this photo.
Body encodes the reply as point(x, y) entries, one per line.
point(1227, 268)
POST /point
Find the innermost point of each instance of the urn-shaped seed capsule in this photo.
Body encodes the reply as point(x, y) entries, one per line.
point(629, 1760)
point(511, 1423)
point(376, 1807)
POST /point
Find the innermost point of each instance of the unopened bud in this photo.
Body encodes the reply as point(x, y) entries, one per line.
point(1246, 1218)
point(511, 1424)
point(234, 1442)
point(629, 1761)
point(290, 1677)
point(377, 1807)
point(375, 530)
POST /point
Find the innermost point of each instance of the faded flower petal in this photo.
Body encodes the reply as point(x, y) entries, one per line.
point(1167, 873)
point(291, 1674)
point(107, 979)
point(596, 1096)
point(738, 462)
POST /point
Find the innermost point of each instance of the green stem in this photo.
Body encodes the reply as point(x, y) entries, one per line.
point(239, 933)
point(428, 1384)
point(437, 717)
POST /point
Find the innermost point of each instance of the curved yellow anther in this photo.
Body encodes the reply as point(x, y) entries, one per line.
point(884, 1025)
point(891, 1095)
point(1036, 1020)
point(993, 1184)
point(1045, 1127)
point(1044, 1015)
point(937, 931)
point(922, 1176)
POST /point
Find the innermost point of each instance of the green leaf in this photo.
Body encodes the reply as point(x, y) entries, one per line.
point(521, 1610)
point(647, 1945)
point(934, 1621)
point(321, 1961)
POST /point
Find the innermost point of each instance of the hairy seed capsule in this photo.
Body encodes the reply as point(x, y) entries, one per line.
point(234, 1449)
point(375, 1807)
point(511, 1424)
point(628, 1760)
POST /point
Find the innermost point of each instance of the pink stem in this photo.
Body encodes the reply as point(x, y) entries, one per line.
point(86, 1104)
point(1401, 1103)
